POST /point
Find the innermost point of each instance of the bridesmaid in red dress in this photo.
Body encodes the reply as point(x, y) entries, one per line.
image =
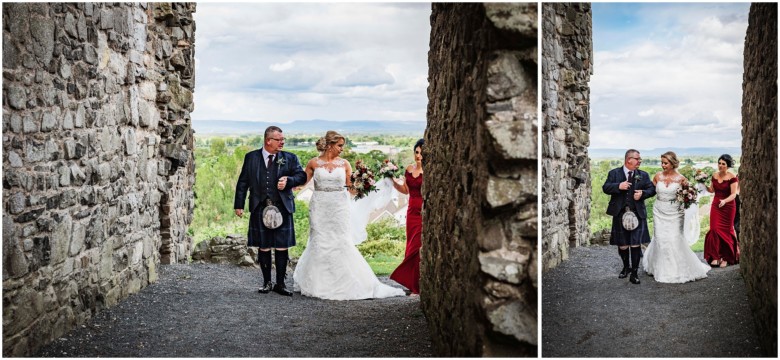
point(721, 247)
point(408, 273)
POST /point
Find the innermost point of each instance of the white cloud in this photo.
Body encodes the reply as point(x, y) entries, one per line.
point(289, 64)
point(646, 113)
point(673, 80)
point(336, 61)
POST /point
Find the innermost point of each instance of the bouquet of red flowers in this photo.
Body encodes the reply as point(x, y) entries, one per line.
point(686, 195)
point(362, 180)
point(387, 169)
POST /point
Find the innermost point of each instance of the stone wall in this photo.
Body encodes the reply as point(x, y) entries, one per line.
point(567, 53)
point(97, 162)
point(478, 267)
point(758, 237)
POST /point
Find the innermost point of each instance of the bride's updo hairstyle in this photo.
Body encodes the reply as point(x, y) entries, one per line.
point(672, 158)
point(330, 138)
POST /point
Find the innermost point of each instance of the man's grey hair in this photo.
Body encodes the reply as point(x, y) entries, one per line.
point(270, 130)
point(629, 152)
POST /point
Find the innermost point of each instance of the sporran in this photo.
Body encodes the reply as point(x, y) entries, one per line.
point(630, 220)
point(272, 217)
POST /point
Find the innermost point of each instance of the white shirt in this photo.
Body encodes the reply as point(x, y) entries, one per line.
point(625, 172)
point(266, 154)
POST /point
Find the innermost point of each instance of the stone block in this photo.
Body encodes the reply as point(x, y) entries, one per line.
point(520, 18)
point(506, 77)
point(149, 116)
point(64, 172)
point(17, 203)
point(502, 269)
point(17, 97)
point(80, 117)
point(30, 124)
point(151, 267)
point(137, 254)
point(515, 319)
point(42, 32)
point(502, 192)
point(14, 159)
point(130, 142)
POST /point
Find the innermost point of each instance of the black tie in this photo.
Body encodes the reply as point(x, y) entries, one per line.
point(631, 176)
point(270, 162)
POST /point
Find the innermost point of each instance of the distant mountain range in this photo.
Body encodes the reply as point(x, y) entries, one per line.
point(696, 151)
point(229, 127)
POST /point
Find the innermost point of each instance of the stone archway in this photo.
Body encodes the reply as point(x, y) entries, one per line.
point(567, 30)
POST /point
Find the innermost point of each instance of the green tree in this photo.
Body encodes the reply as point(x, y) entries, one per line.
point(688, 171)
point(218, 147)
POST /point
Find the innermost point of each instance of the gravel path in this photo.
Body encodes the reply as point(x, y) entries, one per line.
point(588, 312)
point(212, 310)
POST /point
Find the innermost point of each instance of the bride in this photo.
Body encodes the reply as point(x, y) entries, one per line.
point(669, 257)
point(331, 267)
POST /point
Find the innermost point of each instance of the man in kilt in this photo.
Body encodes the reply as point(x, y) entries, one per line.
point(628, 187)
point(270, 174)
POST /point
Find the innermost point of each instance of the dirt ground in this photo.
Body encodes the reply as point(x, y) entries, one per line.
point(588, 312)
point(212, 310)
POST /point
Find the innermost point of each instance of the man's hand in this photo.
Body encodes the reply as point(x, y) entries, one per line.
point(282, 183)
point(637, 194)
point(240, 212)
point(625, 185)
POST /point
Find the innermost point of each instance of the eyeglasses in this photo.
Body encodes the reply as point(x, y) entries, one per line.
point(279, 140)
point(636, 158)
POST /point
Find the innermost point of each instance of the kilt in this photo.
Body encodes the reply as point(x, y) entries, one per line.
point(623, 237)
point(263, 237)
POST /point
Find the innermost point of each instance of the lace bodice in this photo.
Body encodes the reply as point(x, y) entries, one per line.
point(666, 192)
point(666, 188)
point(333, 179)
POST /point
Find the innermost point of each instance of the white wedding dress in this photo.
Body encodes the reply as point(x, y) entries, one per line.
point(669, 257)
point(331, 267)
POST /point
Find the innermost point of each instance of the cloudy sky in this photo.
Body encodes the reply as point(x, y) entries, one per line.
point(281, 62)
point(667, 75)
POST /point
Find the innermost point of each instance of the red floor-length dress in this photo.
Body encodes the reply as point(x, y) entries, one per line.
point(408, 273)
point(721, 241)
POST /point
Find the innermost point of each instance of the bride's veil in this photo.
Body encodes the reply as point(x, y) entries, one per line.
point(691, 225)
point(360, 210)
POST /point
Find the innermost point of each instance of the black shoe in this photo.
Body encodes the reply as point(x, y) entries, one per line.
point(634, 277)
point(624, 273)
point(266, 288)
point(282, 290)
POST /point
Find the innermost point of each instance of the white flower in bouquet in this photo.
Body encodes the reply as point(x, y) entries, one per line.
point(700, 176)
point(387, 169)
